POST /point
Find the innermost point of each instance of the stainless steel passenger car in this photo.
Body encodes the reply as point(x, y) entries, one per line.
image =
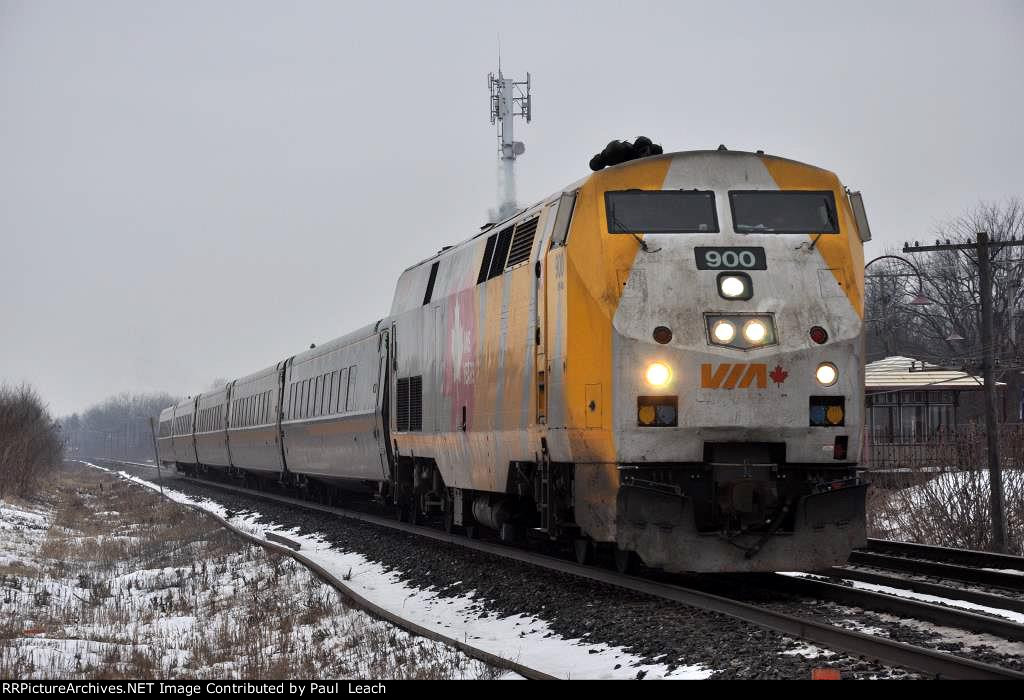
point(254, 421)
point(165, 440)
point(211, 429)
point(332, 412)
point(183, 432)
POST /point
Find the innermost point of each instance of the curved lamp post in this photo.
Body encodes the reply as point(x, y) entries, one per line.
point(919, 299)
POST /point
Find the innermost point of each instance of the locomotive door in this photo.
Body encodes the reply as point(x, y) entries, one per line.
point(550, 314)
point(437, 370)
point(382, 427)
point(540, 363)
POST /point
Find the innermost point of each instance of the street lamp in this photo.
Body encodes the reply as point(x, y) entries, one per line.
point(919, 299)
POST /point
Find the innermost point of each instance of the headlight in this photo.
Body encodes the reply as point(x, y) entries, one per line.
point(724, 331)
point(755, 332)
point(735, 285)
point(658, 374)
point(732, 287)
point(826, 374)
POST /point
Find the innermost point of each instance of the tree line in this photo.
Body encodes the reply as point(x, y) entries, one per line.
point(116, 427)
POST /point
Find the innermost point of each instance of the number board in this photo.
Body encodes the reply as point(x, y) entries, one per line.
point(731, 258)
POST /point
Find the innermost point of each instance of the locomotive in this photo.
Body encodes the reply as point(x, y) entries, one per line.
point(662, 361)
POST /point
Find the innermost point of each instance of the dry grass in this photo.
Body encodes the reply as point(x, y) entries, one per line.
point(128, 585)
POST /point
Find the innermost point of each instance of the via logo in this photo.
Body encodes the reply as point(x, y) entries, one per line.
point(735, 375)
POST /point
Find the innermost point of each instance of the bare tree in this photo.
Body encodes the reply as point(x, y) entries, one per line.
point(31, 444)
point(945, 330)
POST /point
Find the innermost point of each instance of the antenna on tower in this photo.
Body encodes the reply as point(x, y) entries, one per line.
point(509, 99)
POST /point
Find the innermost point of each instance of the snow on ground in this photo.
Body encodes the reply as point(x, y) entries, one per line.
point(809, 651)
point(527, 640)
point(15, 520)
point(187, 600)
point(1011, 615)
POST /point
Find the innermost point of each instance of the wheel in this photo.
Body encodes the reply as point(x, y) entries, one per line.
point(472, 532)
point(626, 562)
point(584, 550)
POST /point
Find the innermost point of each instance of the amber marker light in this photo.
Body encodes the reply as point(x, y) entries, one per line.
point(658, 374)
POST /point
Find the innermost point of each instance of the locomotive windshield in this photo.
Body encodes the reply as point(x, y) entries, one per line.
point(661, 211)
point(783, 212)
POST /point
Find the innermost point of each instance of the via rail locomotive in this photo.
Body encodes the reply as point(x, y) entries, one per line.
point(662, 361)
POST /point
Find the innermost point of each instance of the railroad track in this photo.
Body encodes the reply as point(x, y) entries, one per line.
point(922, 567)
point(949, 555)
point(886, 651)
point(900, 606)
point(968, 566)
point(971, 595)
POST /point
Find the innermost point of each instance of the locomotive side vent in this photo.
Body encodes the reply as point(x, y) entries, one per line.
point(485, 264)
point(402, 405)
point(522, 242)
point(416, 403)
point(409, 404)
point(500, 253)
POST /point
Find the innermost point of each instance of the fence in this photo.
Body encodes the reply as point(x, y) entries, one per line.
point(898, 462)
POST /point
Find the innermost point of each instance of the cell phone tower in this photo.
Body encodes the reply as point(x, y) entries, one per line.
point(509, 99)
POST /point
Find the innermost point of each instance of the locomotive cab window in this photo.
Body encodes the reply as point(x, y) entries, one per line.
point(795, 211)
point(661, 211)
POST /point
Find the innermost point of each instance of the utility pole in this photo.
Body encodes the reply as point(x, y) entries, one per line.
point(156, 455)
point(983, 249)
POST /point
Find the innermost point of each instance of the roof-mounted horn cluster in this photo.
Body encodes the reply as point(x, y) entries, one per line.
point(621, 151)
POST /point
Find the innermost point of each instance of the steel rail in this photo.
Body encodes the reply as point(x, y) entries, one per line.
point(949, 555)
point(957, 572)
point(991, 600)
point(893, 604)
point(281, 544)
point(886, 651)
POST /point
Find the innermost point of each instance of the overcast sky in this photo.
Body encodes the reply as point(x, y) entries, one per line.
point(194, 190)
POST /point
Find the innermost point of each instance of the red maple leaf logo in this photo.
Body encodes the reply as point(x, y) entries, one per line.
point(779, 375)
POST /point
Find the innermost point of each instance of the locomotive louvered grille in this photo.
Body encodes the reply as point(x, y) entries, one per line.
point(409, 404)
point(485, 264)
point(402, 405)
point(522, 242)
point(500, 253)
point(415, 403)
